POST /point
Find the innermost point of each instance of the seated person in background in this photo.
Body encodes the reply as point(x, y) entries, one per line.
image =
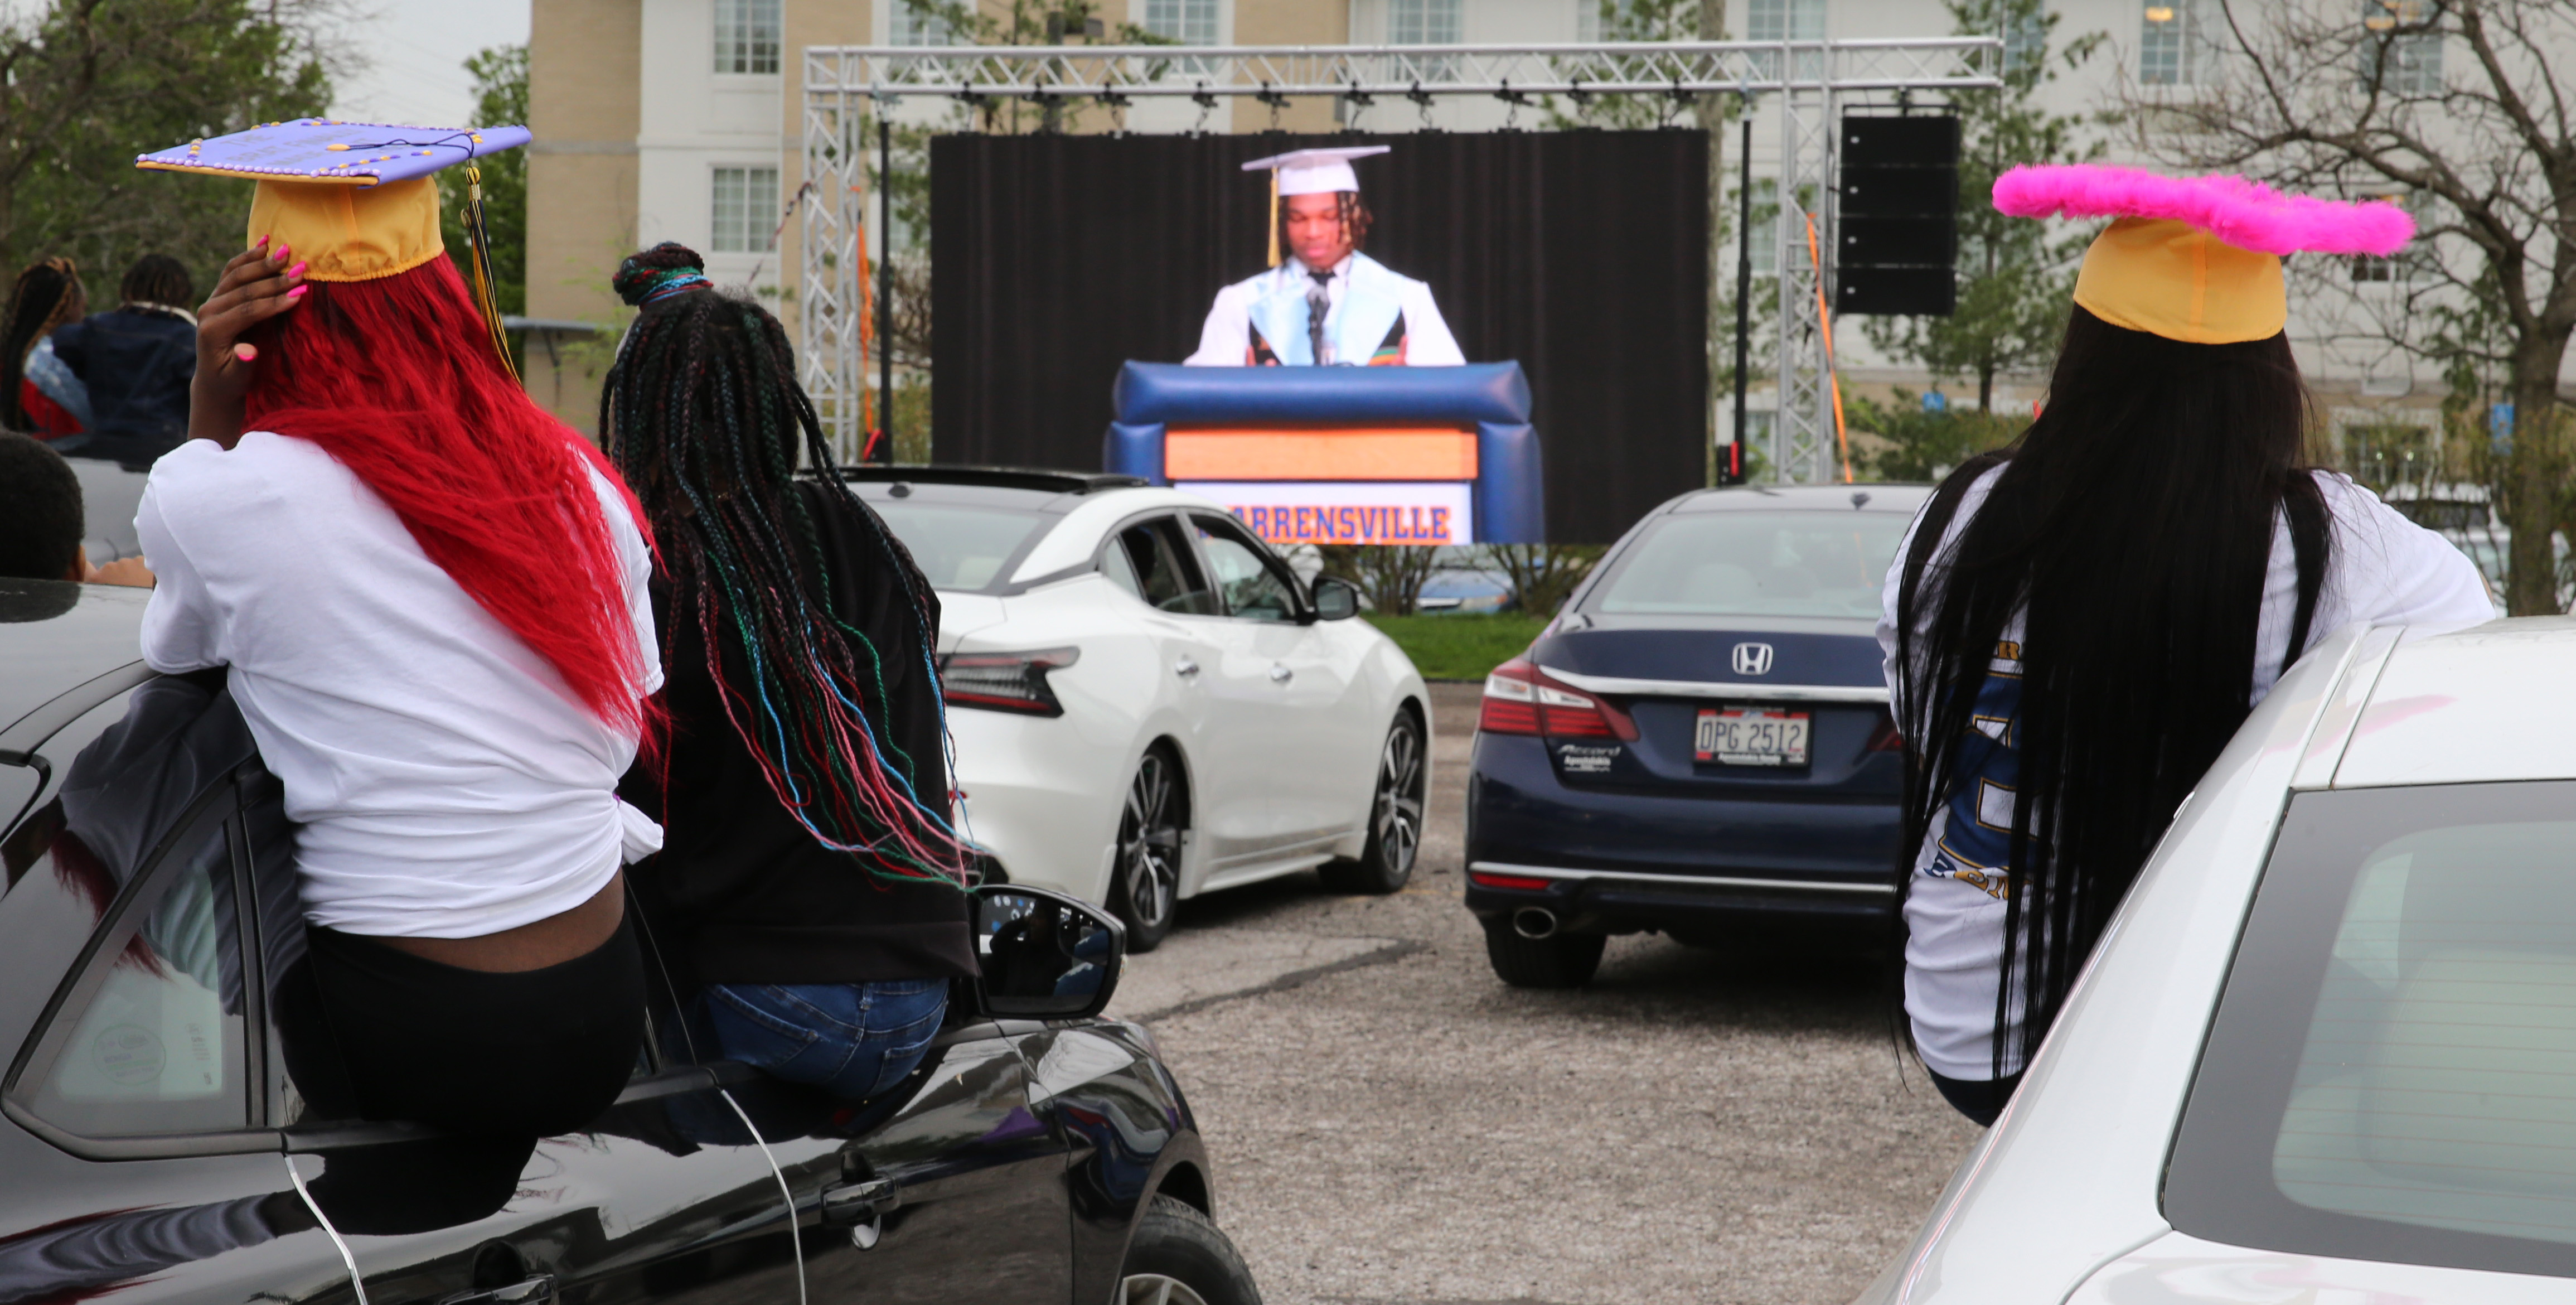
point(137, 362)
point(38, 393)
point(808, 876)
point(41, 521)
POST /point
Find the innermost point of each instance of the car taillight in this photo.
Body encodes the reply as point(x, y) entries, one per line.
point(1005, 681)
point(1886, 739)
point(1522, 699)
point(1526, 883)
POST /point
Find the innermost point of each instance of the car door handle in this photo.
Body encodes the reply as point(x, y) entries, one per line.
point(1185, 668)
point(534, 1291)
point(1280, 674)
point(860, 1202)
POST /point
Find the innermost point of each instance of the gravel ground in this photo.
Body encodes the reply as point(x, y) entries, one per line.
point(1389, 1123)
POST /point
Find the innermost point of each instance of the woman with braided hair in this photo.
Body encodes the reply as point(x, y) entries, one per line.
point(809, 873)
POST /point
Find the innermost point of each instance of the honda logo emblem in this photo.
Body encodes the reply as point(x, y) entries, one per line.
point(1753, 659)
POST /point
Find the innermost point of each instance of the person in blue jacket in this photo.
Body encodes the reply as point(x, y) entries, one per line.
point(137, 360)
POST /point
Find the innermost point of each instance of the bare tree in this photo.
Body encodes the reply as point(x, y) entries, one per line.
point(1542, 576)
point(2460, 106)
point(1391, 575)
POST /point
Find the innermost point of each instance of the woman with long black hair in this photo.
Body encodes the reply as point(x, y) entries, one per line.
point(38, 392)
point(2079, 622)
point(809, 879)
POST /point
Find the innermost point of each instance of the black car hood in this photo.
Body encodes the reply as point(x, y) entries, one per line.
point(1805, 650)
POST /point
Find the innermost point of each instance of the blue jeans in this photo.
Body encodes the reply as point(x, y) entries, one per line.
point(854, 1040)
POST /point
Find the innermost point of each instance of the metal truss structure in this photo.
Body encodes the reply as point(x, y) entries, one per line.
point(844, 85)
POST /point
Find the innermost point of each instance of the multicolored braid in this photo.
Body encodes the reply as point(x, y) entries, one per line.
point(703, 415)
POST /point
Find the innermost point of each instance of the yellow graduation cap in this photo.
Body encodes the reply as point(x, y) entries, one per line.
point(2167, 277)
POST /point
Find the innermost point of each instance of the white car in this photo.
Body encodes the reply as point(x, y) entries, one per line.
point(2326, 1053)
point(1147, 704)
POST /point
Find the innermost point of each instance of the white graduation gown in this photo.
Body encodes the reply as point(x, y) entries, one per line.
point(1367, 300)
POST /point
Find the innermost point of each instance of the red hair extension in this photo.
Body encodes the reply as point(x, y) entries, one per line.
point(396, 378)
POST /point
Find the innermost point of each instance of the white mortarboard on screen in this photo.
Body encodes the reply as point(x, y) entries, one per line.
point(1317, 172)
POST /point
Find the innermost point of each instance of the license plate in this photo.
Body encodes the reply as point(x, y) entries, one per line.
point(1750, 736)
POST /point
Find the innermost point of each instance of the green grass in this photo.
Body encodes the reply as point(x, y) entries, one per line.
point(1460, 647)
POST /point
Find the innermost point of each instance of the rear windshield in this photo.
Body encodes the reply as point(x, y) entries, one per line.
point(959, 546)
point(1754, 564)
point(2416, 947)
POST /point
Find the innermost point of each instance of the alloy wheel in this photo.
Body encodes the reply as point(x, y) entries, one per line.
point(1149, 844)
point(1396, 818)
point(1155, 1289)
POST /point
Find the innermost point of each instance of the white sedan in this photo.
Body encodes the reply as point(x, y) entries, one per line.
point(2327, 1050)
point(1147, 703)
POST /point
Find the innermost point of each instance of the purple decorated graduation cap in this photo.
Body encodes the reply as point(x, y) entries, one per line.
point(354, 199)
point(327, 150)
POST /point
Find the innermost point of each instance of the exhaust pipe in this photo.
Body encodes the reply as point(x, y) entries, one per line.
point(1534, 922)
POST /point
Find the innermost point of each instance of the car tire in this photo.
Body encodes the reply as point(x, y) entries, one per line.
point(1559, 960)
point(1394, 844)
point(1145, 868)
point(1178, 1257)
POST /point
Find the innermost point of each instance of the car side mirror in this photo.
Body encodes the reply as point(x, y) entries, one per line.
point(1045, 956)
point(1336, 599)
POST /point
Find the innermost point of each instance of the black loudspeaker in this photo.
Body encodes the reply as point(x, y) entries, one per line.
point(1898, 200)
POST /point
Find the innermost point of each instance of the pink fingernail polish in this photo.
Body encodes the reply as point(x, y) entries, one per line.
point(245, 352)
point(298, 292)
point(297, 270)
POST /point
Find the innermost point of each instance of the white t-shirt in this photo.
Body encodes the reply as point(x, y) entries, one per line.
point(2384, 570)
point(446, 782)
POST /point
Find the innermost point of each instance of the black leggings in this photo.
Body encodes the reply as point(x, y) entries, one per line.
point(376, 1033)
point(1978, 1099)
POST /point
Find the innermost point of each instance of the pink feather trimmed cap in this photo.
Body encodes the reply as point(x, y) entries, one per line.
point(2195, 259)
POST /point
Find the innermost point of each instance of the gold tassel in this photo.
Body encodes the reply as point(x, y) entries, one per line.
point(486, 294)
point(1274, 217)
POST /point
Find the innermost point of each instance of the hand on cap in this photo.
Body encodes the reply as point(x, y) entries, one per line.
point(258, 284)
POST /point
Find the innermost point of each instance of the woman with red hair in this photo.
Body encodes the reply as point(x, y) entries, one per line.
point(430, 598)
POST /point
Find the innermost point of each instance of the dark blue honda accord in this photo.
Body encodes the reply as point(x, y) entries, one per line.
point(1700, 742)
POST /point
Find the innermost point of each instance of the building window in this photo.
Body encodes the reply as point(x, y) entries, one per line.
point(1786, 20)
point(1589, 15)
point(2371, 269)
point(744, 198)
point(2401, 51)
point(747, 36)
point(2025, 41)
point(916, 22)
point(1422, 22)
point(1190, 22)
point(1763, 237)
point(2175, 43)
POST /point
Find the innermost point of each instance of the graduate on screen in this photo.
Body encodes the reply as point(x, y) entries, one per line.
point(1326, 303)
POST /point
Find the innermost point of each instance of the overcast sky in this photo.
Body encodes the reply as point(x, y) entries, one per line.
point(416, 50)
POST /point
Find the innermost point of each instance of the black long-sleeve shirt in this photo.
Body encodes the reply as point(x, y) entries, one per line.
point(741, 890)
point(137, 363)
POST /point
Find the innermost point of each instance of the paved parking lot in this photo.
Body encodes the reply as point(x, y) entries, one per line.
point(1390, 1123)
